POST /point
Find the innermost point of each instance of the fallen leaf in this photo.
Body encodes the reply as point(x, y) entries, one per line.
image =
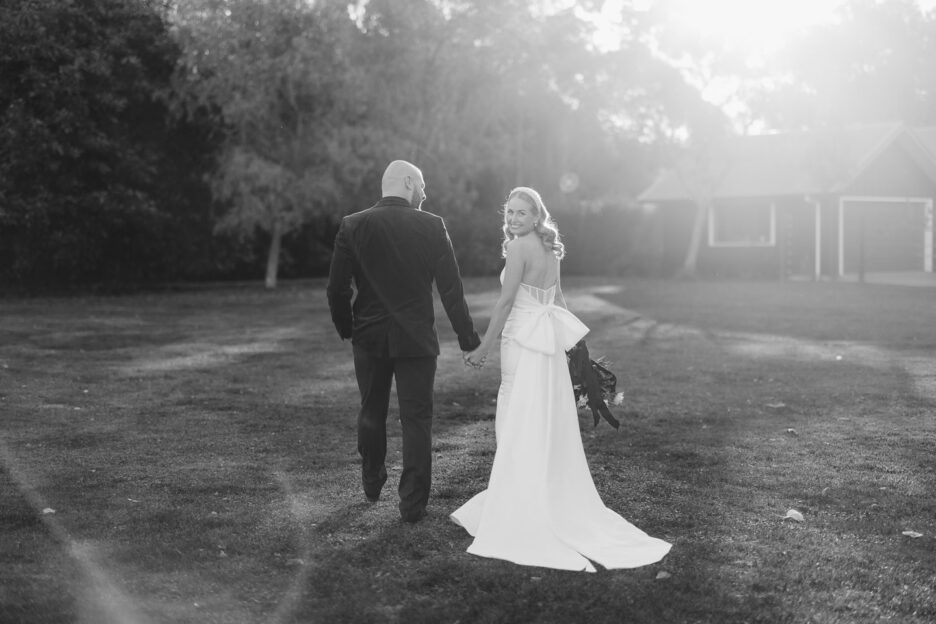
point(792, 514)
point(662, 575)
point(777, 405)
point(912, 534)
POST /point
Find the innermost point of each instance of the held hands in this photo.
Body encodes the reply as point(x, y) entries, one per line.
point(475, 358)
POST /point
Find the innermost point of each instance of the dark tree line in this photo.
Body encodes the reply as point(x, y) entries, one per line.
point(98, 183)
point(146, 141)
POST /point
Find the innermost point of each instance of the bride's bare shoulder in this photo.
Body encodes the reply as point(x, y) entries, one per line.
point(528, 243)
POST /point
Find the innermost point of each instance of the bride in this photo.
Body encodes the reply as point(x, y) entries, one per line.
point(541, 507)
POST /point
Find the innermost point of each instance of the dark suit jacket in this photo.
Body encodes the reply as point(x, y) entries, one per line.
point(394, 253)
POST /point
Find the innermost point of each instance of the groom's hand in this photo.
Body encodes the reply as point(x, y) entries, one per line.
point(475, 358)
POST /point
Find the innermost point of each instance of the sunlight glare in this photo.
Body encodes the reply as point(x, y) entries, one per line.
point(756, 26)
point(753, 30)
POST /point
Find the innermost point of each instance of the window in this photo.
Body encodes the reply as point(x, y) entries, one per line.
point(742, 225)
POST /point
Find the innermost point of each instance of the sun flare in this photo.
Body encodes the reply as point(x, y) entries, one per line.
point(754, 27)
point(752, 30)
point(753, 24)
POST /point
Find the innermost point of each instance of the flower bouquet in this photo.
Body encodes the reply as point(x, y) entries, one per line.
point(592, 383)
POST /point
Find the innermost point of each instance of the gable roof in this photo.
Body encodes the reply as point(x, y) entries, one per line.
point(794, 163)
point(923, 142)
point(927, 138)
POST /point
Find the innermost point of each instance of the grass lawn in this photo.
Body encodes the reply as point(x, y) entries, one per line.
point(190, 457)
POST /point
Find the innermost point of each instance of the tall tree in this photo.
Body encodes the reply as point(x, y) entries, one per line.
point(84, 155)
point(877, 62)
point(277, 75)
point(666, 108)
point(481, 95)
point(492, 95)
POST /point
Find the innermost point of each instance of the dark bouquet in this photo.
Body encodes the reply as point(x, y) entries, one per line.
point(592, 381)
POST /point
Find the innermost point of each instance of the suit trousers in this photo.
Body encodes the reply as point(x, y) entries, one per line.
point(415, 378)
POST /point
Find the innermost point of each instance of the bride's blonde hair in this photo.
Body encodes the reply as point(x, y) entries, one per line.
point(545, 227)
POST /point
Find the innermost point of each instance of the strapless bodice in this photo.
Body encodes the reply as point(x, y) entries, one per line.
point(537, 323)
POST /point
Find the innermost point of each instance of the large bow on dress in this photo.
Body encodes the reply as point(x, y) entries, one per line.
point(549, 326)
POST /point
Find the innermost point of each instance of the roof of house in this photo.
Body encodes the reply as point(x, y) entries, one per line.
point(927, 138)
point(792, 164)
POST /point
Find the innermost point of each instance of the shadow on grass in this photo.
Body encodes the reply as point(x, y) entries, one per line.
point(421, 574)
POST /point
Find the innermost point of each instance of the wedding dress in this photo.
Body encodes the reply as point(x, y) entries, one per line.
point(541, 507)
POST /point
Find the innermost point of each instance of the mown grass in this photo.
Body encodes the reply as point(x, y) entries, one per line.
point(198, 450)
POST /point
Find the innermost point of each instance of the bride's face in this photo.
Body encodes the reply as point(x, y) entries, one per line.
point(519, 216)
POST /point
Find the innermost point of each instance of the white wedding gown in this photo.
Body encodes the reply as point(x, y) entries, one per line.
point(541, 507)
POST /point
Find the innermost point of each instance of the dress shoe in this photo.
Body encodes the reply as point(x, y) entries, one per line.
point(372, 488)
point(413, 517)
point(372, 494)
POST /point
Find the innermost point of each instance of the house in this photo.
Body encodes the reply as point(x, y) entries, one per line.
point(820, 204)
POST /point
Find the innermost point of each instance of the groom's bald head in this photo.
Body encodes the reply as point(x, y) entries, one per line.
point(403, 179)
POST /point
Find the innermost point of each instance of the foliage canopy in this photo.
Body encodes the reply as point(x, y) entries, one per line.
point(149, 141)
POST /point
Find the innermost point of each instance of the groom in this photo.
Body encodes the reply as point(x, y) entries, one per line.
point(394, 252)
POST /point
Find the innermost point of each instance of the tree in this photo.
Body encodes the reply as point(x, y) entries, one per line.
point(83, 158)
point(876, 63)
point(491, 95)
point(277, 76)
point(483, 96)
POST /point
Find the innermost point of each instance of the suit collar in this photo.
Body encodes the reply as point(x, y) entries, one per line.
point(393, 200)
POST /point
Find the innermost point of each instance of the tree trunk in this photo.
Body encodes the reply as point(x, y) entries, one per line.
point(690, 264)
point(861, 243)
point(276, 237)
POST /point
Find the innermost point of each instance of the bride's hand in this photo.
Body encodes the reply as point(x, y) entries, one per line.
point(476, 358)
